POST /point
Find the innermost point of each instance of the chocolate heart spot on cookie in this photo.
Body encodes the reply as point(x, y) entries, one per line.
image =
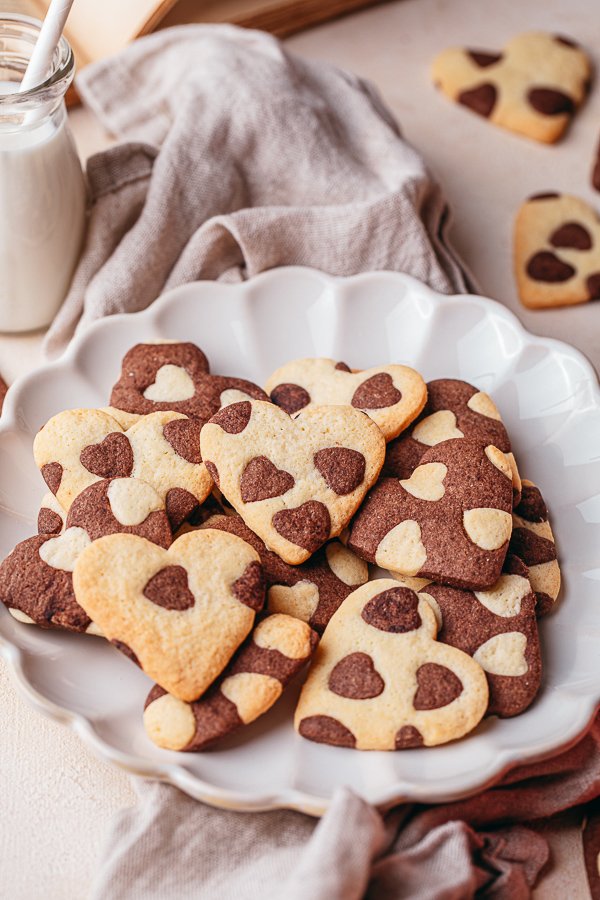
point(184, 437)
point(169, 589)
point(376, 392)
point(342, 469)
point(262, 479)
point(111, 458)
point(356, 677)
point(308, 525)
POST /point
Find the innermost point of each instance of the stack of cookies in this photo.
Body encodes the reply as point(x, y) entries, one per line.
point(222, 536)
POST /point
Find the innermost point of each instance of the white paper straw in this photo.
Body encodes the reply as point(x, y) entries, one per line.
point(50, 34)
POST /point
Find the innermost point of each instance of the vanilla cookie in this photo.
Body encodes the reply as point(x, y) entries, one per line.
point(533, 86)
point(557, 251)
point(449, 522)
point(174, 376)
point(295, 482)
point(390, 395)
point(51, 516)
point(532, 541)
point(381, 681)
point(179, 613)
point(312, 591)
point(275, 652)
point(454, 409)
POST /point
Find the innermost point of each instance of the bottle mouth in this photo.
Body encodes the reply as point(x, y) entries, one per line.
point(18, 36)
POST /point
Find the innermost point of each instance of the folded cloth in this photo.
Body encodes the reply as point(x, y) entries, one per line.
point(170, 847)
point(252, 158)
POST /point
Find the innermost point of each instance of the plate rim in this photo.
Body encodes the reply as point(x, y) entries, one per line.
point(287, 798)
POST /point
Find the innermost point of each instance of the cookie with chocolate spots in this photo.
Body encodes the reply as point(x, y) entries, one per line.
point(532, 541)
point(498, 628)
point(175, 376)
point(532, 87)
point(454, 409)
point(390, 395)
point(278, 648)
point(450, 521)
point(182, 612)
point(295, 482)
point(312, 591)
point(380, 680)
point(557, 251)
point(51, 516)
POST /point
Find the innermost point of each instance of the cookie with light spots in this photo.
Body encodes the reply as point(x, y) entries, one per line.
point(278, 648)
point(557, 251)
point(449, 522)
point(174, 375)
point(533, 86)
point(312, 591)
point(390, 395)
point(295, 482)
point(179, 613)
point(380, 680)
point(498, 628)
point(533, 542)
point(454, 409)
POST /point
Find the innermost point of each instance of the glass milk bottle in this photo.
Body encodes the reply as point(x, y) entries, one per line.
point(42, 189)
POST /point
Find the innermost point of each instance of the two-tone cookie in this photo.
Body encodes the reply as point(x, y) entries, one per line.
point(380, 680)
point(557, 251)
point(449, 522)
point(454, 409)
point(278, 648)
point(532, 87)
point(295, 482)
point(179, 613)
point(390, 395)
point(532, 541)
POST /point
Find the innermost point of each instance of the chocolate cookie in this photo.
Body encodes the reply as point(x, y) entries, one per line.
point(180, 613)
point(274, 653)
point(533, 86)
point(533, 542)
point(175, 376)
point(390, 395)
point(295, 482)
point(450, 521)
point(381, 681)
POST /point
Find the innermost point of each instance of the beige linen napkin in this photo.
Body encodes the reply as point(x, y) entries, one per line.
point(252, 158)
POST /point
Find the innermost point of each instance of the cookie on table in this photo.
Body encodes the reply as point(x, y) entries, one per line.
point(180, 613)
point(295, 482)
point(454, 409)
point(173, 375)
point(380, 680)
point(449, 522)
point(557, 251)
point(498, 628)
point(51, 516)
point(532, 87)
point(532, 541)
point(312, 591)
point(275, 652)
point(390, 395)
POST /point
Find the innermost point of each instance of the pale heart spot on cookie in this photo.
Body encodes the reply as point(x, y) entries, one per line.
point(402, 547)
point(63, 551)
point(345, 565)
point(172, 384)
point(132, 500)
point(427, 482)
point(503, 654)
point(250, 692)
point(439, 426)
point(499, 459)
point(288, 637)
point(300, 600)
point(170, 722)
point(505, 598)
point(483, 404)
point(487, 528)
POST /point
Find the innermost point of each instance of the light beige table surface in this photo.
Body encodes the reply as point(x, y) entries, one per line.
point(57, 799)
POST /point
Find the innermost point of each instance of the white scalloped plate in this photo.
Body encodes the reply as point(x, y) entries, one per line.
point(550, 400)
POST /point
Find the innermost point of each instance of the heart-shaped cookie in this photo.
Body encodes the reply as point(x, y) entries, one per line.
point(172, 375)
point(532, 87)
point(380, 680)
point(275, 652)
point(179, 613)
point(454, 409)
point(390, 395)
point(450, 521)
point(295, 482)
point(81, 446)
point(557, 251)
point(532, 541)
